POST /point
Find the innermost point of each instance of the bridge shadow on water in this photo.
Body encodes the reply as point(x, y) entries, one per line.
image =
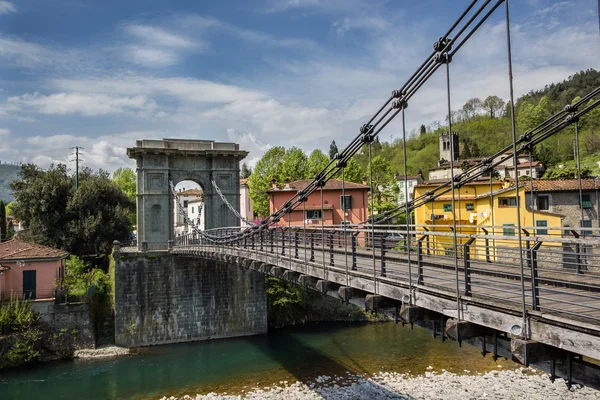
point(306, 362)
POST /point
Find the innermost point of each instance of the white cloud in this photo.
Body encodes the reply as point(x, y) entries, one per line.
point(23, 52)
point(156, 47)
point(370, 23)
point(150, 57)
point(158, 36)
point(4, 131)
point(247, 35)
point(7, 7)
point(183, 89)
point(80, 103)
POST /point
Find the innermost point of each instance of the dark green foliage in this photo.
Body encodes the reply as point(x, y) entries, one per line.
point(333, 149)
point(16, 315)
point(245, 172)
point(10, 230)
point(83, 221)
point(286, 301)
point(24, 350)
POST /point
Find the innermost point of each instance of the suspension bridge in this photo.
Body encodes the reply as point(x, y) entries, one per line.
point(532, 294)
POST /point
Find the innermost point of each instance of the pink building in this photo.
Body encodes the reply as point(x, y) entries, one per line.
point(29, 270)
point(354, 204)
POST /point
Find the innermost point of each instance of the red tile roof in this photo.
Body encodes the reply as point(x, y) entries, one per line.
point(19, 250)
point(562, 185)
point(190, 192)
point(332, 184)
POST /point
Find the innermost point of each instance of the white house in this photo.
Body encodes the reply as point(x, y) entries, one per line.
point(411, 182)
point(181, 201)
point(195, 213)
point(245, 204)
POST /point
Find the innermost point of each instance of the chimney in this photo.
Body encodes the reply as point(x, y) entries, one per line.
point(287, 184)
point(364, 178)
point(274, 184)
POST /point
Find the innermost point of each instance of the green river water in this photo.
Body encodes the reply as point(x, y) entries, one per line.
point(239, 364)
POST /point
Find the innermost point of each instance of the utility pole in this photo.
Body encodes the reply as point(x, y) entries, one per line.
point(77, 166)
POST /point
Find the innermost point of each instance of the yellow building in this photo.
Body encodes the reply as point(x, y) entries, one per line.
point(481, 208)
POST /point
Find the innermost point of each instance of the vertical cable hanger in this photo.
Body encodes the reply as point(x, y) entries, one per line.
point(524, 330)
point(447, 59)
point(407, 215)
point(370, 140)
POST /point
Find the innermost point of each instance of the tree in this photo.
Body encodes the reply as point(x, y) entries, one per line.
point(293, 166)
point(99, 212)
point(259, 182)
point(125, 179)
point(472, 107)
point(245, 172)
point(9, 208)
point(10, 230)
point(493, 105)
point(333, 149)
point(423, 130)
point(2, 221)
point(83, 221)
point(466, 151)
point(317, 160)
point(353, 172)
point(384, 184)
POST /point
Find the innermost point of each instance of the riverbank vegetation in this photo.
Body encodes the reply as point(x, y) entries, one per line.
point(19, 335)
point(290, 304)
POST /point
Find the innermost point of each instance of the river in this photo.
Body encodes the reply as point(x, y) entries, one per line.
point(238, 364)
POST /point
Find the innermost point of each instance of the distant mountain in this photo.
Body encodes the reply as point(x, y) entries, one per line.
point(8, 173)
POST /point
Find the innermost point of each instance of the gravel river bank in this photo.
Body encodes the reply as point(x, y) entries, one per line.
point(521, 383)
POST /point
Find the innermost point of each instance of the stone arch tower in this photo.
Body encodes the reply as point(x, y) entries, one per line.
point(176, 160)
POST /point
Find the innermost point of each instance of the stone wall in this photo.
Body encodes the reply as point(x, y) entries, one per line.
point(67, 327)
point(161, 298)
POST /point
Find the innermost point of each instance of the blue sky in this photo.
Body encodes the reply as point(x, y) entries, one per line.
point(101, 74)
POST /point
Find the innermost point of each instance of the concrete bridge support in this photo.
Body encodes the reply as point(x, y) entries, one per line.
point(162, 298)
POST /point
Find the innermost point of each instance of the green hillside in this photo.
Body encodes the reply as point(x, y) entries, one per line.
point(8, 173)
point(484, 126)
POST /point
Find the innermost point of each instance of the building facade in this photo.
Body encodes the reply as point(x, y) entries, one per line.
point(411, 182)
point(349, 205)
point(29, 270)
point(562, 197)
point(195, 213)
point(245, 204)
point(180, 208)
point(482, 207)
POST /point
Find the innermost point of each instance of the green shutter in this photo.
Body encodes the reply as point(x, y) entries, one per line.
point(586, 224)
point(587, 201)
point(508, 230)
point(447, 207)
point(470, 206)
point(542, 223)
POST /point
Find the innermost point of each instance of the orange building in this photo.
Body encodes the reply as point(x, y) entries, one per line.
point(354, 204)
point(29, 270)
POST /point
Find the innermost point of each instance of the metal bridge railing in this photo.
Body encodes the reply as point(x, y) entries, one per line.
point(561, 276)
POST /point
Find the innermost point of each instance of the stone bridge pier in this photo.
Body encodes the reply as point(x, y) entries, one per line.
point(164, 298)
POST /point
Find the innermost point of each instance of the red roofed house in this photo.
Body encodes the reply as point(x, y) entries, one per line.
point(355, 204)
point(29, 270)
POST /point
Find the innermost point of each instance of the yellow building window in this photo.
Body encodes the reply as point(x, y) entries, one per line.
point(507, 202)
point(447, 207)
point(470, 206)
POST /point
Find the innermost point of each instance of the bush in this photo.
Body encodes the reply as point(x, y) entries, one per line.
point(17, 315)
